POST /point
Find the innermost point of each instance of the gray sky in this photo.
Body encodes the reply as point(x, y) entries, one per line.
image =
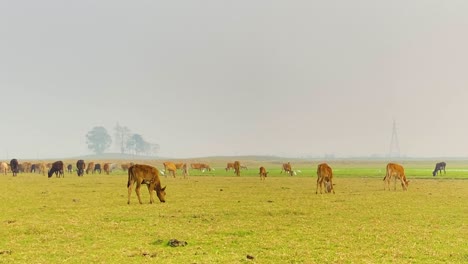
point(204, 78)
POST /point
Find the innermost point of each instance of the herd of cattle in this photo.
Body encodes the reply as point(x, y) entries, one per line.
point(146, 174)
point(58, 168)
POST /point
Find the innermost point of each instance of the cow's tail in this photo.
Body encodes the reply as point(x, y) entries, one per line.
point(386, 174)
point(130, 176)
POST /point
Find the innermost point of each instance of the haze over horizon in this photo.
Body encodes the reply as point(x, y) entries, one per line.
point(209, 78)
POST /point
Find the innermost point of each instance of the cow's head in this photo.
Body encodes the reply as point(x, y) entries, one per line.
point(434, 173)
point(161, 194)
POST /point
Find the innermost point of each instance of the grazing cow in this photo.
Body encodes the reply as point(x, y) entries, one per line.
point(80, 167)
point(14, 166)
point(324, 177)
point(69, 168)
point(287, 168)
point(237, 168)
point(26, 167)
point(171, 167)
point(229, 166)
point(42, 168)
point(243, 167)
point(38, 167)
point(107, 168)
point(200, 166)
point(398, 172)
point(438, 168)
point(4, 167)
point(263, 173)
point(148, 175)
point(185, 170)
point(57, 168)
point(97, 168)
point(90, 168)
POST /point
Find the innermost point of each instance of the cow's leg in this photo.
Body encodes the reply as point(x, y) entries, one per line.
point(319, 182)
point(137, 190)
point(403, 184)
point(150, 190)
point(331, 186)
point(130, 191)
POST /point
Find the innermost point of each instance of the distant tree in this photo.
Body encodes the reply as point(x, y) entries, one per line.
point(137, 145)
point(154, 149)
point(121, 135)
point(98, 140)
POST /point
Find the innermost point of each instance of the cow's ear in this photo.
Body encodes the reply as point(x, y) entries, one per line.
point(164, 188)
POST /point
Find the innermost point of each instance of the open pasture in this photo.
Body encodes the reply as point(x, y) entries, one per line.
point(224, 218)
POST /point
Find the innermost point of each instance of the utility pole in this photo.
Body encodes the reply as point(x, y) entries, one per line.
point(394, 145)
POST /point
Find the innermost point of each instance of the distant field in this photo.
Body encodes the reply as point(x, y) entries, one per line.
point(224, 218)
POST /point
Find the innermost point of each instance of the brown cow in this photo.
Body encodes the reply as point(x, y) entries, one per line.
point(325, 177)
point(171, 167)
point(398, 172)
point(185, 170)
point(106, 168)
point(263, 173)
point(4, 167)
point(287, 168)
point(148, 175)
point(200, 166)
point(229, 166)
point(90, 168)
point(26, 166)
point(237, 168)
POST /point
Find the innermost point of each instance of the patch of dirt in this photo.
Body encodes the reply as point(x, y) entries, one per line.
point(177, 243)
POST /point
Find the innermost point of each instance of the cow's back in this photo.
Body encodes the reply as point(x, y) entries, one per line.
point(144, 172)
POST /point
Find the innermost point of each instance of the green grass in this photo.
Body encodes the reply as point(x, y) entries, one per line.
point(224, 218)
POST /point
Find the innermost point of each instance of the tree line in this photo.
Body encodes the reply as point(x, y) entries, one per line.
point(99, 140)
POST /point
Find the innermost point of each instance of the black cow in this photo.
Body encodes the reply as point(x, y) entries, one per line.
point(80, 166)
point(69, 168)
point(14, 166)
point(438, 168)
point(34, 168)
point(57, 168)
point(97, 167)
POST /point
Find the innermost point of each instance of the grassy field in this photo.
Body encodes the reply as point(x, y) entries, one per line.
point(224, 218)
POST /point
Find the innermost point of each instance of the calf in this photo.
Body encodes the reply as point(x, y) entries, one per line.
point(80, 167)
point(90, 168)
point(69, 168)
point(438, 168)
point(237, 168)
point(171, 167)
point(324, 177)
point(148, 175)
point(263, 173)
point(57, 168)
point(4, 167)
point(14, 166)
point(395, 171)
point(229, 166)
point(97, 168)
point(287, 168)
point(107, 168)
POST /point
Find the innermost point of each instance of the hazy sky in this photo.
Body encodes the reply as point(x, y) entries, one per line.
point(204, 78)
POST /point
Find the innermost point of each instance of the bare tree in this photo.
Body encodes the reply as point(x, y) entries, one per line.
point(122, 135)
